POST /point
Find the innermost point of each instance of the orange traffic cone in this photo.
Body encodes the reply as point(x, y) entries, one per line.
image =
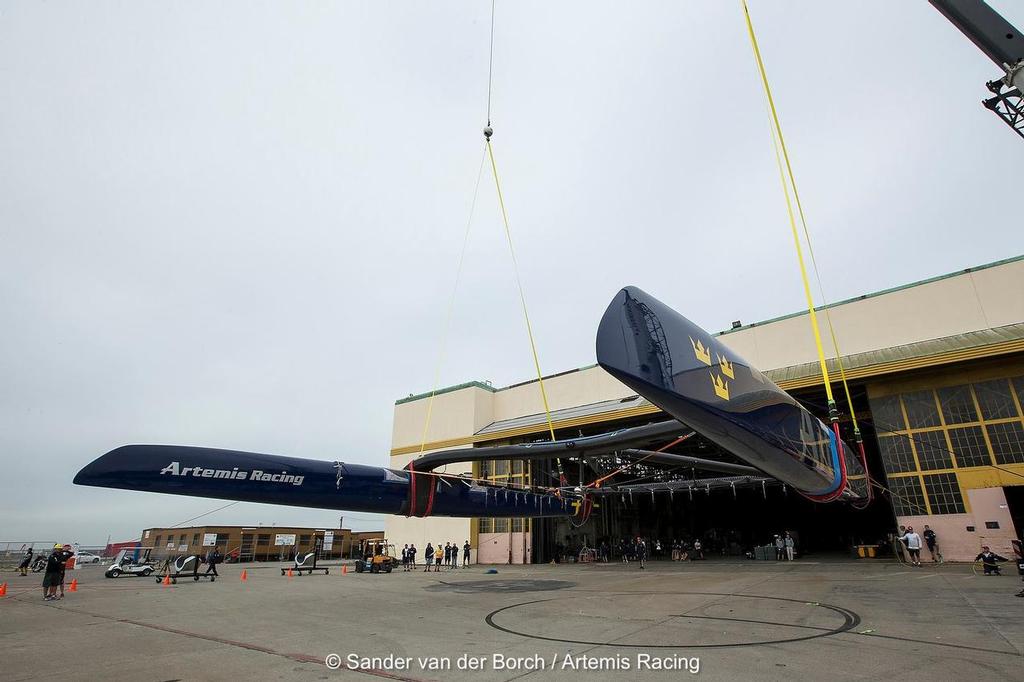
point(289, 573)
point(344, 569)
point(3, 590)
point(73, 587)
point(244, 576)
point(167, 580)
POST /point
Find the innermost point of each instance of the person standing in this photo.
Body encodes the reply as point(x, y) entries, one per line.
point(698, 549)
point(780, 547)
point(438, 555)
point(428, 557)
point(455, 554)
point(51, 578)
point(405, 558)
point(212, 559)
point(66, 562)
point(641, 552)
point(931, 542)
point(412, 556)
point(913, 543)
point(447, 555)
point(790, 546)
point(26, 561)
point(465, 554)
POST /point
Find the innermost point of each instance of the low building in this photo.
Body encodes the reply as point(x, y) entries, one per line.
point(255, 543)
point(936, 370)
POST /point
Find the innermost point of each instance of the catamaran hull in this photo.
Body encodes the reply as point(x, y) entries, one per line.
point(274, 479)
point(693, 377)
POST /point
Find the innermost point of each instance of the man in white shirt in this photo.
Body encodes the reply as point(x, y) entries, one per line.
point(913, 542)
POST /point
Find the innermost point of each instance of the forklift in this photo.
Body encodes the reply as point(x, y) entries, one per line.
point(376, 556)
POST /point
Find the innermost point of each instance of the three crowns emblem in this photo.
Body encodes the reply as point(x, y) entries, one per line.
point(725, 368)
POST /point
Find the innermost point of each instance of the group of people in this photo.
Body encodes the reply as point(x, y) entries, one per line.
point(56, 564)
point(435, 556)
point(912, 542)
point(785, 547)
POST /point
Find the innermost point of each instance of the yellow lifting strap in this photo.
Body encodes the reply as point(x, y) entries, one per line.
point(781, 154)
point(519, 284)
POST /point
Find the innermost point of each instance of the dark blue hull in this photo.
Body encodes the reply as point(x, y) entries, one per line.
point(273, 479)
point(690, 375)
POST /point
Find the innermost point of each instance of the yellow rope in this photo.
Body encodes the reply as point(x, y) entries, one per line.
point(451, 304)
point(779, 142)
point(522, 296)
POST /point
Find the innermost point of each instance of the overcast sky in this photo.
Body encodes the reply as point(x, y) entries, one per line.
point(236, 224)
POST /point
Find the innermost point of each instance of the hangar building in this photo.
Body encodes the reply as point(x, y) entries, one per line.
point(937, 373)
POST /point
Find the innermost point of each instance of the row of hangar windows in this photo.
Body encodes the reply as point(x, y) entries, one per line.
point(925, 436)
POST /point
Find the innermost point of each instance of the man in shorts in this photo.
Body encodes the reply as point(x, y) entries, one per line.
point(913, 543)
point(53, 574)
point(66, 552)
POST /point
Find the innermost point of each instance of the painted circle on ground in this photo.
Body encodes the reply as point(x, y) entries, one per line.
point(675, 613)
point(501, 586)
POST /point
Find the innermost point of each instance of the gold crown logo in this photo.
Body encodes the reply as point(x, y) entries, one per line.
point(702, 353)
point(726, 367)
point(721, 386)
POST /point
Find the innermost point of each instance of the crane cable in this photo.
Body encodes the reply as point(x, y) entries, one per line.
point(488, 132)
point(782, 154)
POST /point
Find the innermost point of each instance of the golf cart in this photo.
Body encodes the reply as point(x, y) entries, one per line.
point(131, 561)
point(377, 556)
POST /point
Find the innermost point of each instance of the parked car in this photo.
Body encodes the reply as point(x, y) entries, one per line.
point(87, 558)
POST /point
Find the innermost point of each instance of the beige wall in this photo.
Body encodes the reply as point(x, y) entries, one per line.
point(494, 548)
point(954, 540)
point(968, 302)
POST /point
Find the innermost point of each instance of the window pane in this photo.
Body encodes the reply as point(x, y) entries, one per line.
point(485, 469)
point(957, 405)
point(994, 399)
point(195, 539)
point(896, 454)
point(1007, 442)
point(969, 446)
point(1018, 386)
point(517, 525)
point(921, 410)
point(487, 525)
point(944, 494)
point(517, 466)
point(907, 498)
point(886, 414)
point(501, 467)
point(932, 451)
point(500, 525)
